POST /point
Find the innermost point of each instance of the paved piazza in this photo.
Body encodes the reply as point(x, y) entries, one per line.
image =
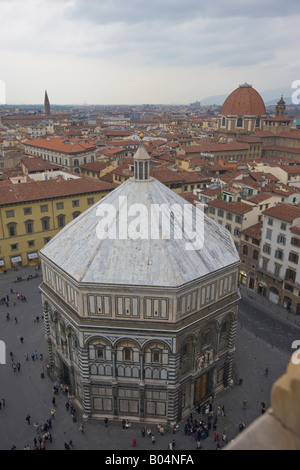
point(26, 393)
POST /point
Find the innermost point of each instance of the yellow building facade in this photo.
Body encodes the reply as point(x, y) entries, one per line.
point(28, 223)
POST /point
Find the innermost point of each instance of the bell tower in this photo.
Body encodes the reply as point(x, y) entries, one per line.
point(280, 107)
point(141, 163)
point(47, 104)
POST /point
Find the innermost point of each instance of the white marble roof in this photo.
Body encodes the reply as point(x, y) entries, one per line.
point(78, 251)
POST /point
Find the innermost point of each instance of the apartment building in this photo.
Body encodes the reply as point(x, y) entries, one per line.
point(279, 275)
point(250, 254)
point(234, 216)
point(33, 212)
point(69, 153)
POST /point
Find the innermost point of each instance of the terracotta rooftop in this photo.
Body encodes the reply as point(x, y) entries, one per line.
point(244, 100)
point(259, 198)
point(211, 148)
point(254, 231)
point(286, 212)
point(239, 208)
point(62, 145)
point(94, 166)
point(42, 190)
point(38, 164)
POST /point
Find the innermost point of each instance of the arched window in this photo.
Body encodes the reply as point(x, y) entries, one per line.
point(239, 122)
point(257, 122)
point(223, 122)
point(255, 254)
point(127, 354)
point(245, 250)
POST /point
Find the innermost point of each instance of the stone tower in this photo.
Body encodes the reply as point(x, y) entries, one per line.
point(47, 104)
point(280, 108)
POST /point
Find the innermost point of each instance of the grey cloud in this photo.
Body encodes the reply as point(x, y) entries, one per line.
point(136, 11)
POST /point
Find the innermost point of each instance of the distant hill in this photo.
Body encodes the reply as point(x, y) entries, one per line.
point(270, 97)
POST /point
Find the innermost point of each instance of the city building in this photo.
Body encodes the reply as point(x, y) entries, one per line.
point(69, 153)
point(140, 325)
point(235, 216)
point(242, 113)
point(279, 276)
point(33, 211)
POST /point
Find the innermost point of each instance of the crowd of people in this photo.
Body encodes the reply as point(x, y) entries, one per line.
point(207, 421)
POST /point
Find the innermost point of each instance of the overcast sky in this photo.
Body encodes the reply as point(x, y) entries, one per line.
point(145, 51)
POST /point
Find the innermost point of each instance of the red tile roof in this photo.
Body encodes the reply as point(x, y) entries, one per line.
point(254, 231)
point(42, 190)
point(68, 146)
point(94, 166)
point(244, 100)
point(211, 148)
point(38, 164)
point(239, 208)
point(286, 212)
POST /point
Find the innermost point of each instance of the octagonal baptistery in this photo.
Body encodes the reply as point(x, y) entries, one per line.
point(140, 327)
point(242, 112)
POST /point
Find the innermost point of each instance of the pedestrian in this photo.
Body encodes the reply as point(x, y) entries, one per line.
point(18, 366)
point(7, 316)
point(216, 436)
point(173, 444)
point(199, 445)
point(52, 414)
point(244, 404)
point(81, 428)
point(142, 432)
point(241, 426)
point(28, 419)
point(35, 354)
point(14, 367)
point(67, 406)
point(106, 422)
point(26, 356)
point(133, 442)
point(53, 401)
point(3, 403)
point(16, 320)
point(153, 439)
point(14, 302)
point(263, 407)
point(21, 339)
point(266, 372)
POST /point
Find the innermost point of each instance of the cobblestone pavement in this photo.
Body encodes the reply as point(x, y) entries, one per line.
point(25, 392)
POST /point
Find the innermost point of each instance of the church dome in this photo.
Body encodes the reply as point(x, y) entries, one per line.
point(149, 261)
point(244, 101)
